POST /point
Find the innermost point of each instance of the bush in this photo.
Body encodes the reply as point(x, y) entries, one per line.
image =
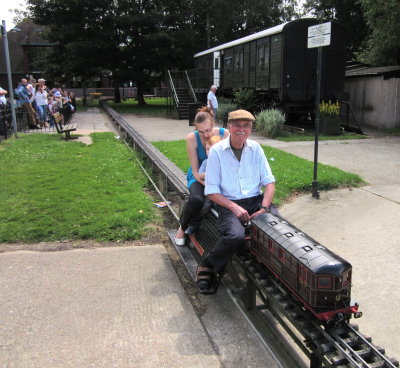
point(224, 100)
point(245, 99)
point(269, 122)
point(225, 108)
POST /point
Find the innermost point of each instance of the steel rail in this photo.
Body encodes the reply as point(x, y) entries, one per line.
point(323, 346)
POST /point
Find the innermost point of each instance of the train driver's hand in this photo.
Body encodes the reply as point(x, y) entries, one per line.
point(241, 213)
point(255, 214)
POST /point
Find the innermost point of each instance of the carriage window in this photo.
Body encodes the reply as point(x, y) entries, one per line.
point(261, 56)
point(281, 256)
point(324, 282)
point(239, 60)
point(270, 247)
point(228, 61)
point(303, 274)
point(346, 278)
point(266, 56)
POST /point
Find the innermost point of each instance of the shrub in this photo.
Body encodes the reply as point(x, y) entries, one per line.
point(224, 100)
point(245, 99)
point(269, 122)
point(225, 108)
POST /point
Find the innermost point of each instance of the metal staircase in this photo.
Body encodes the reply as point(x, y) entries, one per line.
point(181, 92)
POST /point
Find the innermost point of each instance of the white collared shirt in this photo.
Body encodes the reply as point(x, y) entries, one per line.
point(236, 179)
point(213, 99)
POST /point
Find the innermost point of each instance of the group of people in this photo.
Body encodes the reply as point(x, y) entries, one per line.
point(230, 170)
point(41, 103)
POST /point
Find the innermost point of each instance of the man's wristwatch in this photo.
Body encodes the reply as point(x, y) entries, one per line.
point(264, 208)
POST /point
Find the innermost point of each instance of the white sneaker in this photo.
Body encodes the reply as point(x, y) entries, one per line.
point(180, 242)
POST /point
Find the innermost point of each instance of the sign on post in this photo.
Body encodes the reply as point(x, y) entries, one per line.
point(319, 35)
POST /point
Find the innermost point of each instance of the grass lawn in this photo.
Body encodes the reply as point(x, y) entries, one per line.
point(395, 131)
point(311, 137)
point(293, 174)
point(55, 190)
point(155, 106)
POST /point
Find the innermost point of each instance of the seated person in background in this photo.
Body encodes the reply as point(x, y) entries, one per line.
point(236, 170)
point(196, 149)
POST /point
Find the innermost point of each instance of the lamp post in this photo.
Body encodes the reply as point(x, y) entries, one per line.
point(10, 86)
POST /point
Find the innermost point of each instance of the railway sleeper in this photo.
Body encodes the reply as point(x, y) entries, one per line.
point(322, 346)
point(378, 364)
point(339, 361)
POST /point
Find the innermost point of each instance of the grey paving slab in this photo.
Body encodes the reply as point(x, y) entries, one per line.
point(239, 345)
point(113, 307)
point(93, 120)
point(159, 128)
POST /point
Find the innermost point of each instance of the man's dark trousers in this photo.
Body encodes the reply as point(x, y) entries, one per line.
point(232, 233)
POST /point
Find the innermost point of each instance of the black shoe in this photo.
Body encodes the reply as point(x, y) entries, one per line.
point(191, 230)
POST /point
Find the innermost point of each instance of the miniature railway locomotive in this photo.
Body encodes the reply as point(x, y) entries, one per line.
point(319, 279)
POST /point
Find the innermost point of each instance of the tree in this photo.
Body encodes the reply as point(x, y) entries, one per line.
point(133, 39)
point(223, 21)
point(382, 17)
point(138, 39)
point(347, 13)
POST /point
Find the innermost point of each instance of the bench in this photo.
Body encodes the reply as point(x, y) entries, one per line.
point(67, 128)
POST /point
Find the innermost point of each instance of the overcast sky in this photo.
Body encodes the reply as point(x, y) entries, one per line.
point(5, 6)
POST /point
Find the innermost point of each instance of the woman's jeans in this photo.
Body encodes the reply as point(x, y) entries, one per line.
point(42, 111)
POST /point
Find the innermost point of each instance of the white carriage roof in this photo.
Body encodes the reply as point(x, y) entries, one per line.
point(254, 36)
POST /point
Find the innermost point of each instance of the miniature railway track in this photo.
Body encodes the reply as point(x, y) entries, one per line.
point(257, 292)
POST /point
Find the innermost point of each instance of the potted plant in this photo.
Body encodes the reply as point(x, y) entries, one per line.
point(329, 118)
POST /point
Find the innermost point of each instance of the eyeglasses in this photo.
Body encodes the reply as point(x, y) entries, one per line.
point(205, 131)
point(244, 126)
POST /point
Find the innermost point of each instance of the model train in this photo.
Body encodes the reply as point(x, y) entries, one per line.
point(277, 64)
point(318, 278)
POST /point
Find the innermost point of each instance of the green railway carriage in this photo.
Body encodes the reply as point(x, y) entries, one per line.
point(277, 64)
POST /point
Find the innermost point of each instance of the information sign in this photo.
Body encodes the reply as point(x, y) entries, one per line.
point(319, 35)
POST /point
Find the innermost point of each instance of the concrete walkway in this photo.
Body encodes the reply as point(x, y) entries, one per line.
point(360, 224)
point(112, 307)
point(93, 120)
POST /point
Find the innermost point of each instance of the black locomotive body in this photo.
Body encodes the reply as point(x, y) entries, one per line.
point(277, 64)
point(319, 279)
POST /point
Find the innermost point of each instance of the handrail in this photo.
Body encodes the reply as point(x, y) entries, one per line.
point(171, 82)
point(347, 103)
point(190, 87)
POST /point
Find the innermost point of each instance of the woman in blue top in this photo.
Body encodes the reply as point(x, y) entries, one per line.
point(196, 149)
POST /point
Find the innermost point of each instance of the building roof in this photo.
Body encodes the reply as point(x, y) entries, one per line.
point(254, 36)
point(358, 70)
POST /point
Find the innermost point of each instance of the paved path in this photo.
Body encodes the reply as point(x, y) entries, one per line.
point(112, 307)
point(93, 120)
point(360, 224)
